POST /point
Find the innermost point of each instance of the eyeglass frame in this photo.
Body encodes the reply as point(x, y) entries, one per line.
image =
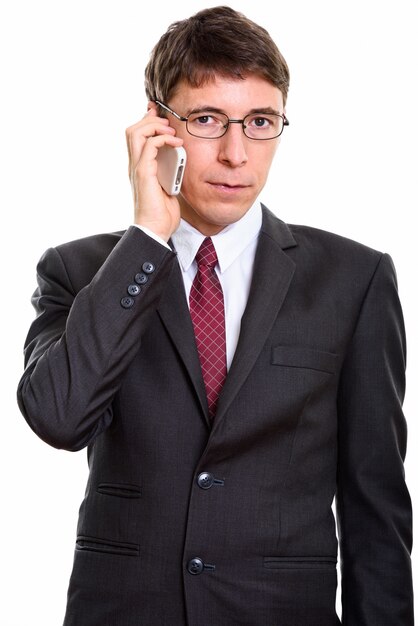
point(230, 121)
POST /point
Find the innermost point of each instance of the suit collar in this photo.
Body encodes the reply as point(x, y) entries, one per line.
point(278, 230)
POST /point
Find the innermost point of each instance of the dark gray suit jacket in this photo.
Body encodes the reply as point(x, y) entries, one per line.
point(185, 522)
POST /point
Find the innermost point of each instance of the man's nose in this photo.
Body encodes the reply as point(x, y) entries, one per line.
point(233, 146)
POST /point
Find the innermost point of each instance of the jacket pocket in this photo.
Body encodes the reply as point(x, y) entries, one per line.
point(106, 546)
point(119, 490)
point(293, 356)
point(300, 562)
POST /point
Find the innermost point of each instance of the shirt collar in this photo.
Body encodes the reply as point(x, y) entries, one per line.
point(229, 243)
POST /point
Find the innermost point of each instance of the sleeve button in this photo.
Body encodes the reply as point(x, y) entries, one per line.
point(141, 278)
point(134, 290)
point(148, 267)
point(127, 302)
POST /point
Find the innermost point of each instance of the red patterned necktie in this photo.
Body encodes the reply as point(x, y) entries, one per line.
point(208, 316)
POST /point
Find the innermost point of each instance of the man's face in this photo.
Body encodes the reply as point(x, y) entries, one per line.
point(224, 176)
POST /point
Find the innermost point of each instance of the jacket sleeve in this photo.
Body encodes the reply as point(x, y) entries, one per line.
point(373, 504)
point(81, 343)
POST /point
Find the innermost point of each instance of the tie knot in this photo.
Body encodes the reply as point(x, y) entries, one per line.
point(206, 255)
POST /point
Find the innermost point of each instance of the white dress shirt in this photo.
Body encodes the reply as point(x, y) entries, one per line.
point(235, 247)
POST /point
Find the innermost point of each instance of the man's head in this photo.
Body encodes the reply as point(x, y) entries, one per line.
point(214, 67)
point(217, 41)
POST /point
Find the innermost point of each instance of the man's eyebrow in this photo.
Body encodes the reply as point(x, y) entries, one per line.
point(205, 109)
point(211, 109)
point(267, 110)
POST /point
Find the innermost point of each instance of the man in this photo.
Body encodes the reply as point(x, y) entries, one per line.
point(213, 468)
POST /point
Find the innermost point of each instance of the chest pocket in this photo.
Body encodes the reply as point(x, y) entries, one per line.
point(304, 358)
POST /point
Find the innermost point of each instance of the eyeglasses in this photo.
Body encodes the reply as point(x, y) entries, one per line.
point(212, 124)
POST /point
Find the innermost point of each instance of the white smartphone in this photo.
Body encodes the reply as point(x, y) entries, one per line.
point(171, 164)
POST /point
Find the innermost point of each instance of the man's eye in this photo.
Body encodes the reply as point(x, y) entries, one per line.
point(260, 122)
point(204, 120)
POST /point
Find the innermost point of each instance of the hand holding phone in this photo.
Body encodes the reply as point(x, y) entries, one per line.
point(171, 163)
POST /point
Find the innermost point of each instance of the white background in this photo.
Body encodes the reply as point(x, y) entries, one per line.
point(71, 82)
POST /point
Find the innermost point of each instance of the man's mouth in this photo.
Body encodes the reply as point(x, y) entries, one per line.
point(226, 185)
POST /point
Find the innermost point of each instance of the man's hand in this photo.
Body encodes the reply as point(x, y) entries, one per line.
point(154, 209)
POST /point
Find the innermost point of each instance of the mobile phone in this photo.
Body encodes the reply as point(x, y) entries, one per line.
point(171, 164)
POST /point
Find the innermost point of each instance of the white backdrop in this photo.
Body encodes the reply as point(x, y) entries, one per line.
point(71, 82)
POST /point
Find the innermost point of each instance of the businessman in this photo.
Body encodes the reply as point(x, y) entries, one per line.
point(229, 374)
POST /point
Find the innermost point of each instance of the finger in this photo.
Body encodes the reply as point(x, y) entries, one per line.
point(149, 126)
point(137, 135)
point(147, 164)
point(152, 144)
point(140, 133)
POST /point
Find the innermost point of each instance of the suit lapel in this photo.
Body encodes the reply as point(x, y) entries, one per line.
point(272, 275)
point(174, 312)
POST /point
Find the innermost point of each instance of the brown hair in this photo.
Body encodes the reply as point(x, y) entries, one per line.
point(214, 41)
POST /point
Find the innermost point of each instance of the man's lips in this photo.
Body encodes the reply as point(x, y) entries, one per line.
point(219, 183)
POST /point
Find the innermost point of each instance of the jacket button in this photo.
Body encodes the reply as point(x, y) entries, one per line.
point(205, 480)
point(127, 302)
point(134, 290)
point(141, 278)
point(195, 566)
point(148, 267)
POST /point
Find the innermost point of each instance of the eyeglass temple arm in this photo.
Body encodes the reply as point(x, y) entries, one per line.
point(164, 106)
